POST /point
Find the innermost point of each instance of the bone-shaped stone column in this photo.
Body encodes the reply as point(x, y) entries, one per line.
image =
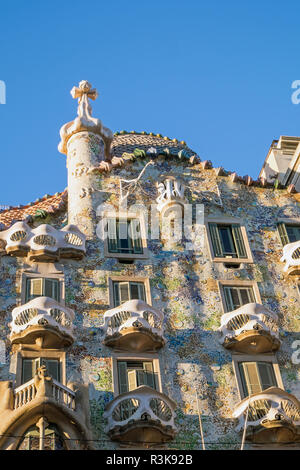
point(86, 142)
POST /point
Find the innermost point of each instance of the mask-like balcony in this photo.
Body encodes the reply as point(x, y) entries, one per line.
point(134, 326)
point(43, 243)
point(42, 320)
point(142, 416)
point(250, 329)
point(291, 257)
point(273, 417)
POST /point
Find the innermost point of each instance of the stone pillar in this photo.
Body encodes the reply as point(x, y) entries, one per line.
point(86, 142)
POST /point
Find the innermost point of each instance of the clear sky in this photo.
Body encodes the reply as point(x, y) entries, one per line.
point(217, 74)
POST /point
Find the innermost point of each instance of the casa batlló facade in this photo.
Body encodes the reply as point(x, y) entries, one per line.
point(154, 304)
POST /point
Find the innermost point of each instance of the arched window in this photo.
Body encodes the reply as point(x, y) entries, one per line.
point(42, 436)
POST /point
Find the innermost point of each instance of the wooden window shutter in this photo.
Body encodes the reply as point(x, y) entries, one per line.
point(267, 376)
point(142, 294)
point(141, 377)
point(135, 235)
point(36, 288)
point(238, 240)
point(112, 241)
point(122, 375)
point(149, 375)
point(124, 291)
point(52, 288)
point(116, 294)
point(132, 380)
point(251, 377)
point(215, 239)
point(283, 234)
point(228, 299)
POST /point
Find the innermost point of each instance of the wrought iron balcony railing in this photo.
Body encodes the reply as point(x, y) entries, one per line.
point(291, 257)
point(45, 319)
point(142, 415)
point(251, 328)
point(269, 416)
point(43, 243)
point(134, 326)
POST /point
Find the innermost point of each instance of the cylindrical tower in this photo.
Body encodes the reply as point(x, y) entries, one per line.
point(86, 142)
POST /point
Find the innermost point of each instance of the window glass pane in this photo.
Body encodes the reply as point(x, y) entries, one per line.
point(124, 291)
point(293, 232)
point(245, 296)
point(27, 370)
point(53, 366)
point(236, 300)
point(267, 376)
point(227, 241)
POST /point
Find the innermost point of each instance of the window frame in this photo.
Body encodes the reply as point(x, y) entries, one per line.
point(113, 279)
point(35, 354)
point(228, 221)
point(43, 279)
point(237, 283)
point(129, 216)
point(146, 357)
point(290, 222)
point(238, 358)
point(45, 272)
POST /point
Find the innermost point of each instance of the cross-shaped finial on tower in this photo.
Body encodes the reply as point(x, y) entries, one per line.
point(85, 121)
point(84, 88)
point(83, 92)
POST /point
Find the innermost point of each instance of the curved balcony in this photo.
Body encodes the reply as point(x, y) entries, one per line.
point(43, 243)
point(291, 257)
point(273, 417)
point(43, 396)
point(250, 329)
point(134, 326)
point(42, 320)
point(142, 416)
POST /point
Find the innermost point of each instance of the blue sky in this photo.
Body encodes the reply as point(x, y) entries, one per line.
point(216, 74)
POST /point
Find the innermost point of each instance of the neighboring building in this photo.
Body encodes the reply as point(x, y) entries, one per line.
point(106, 343)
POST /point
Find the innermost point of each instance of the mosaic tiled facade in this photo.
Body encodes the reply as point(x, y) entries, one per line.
point(188, 286)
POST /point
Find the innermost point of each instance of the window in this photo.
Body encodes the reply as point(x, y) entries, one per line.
point(288, 233)
point(256, 377)
point(236, 296)
point(50, 436)
point(29, 367)
point(227, 240)
point(38, 287)
point(124, 291)
point(124, 236)
point(132, 374)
